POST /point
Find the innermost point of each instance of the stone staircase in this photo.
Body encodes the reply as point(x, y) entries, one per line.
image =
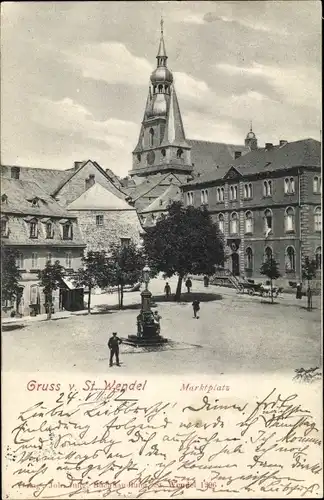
point(224, 277)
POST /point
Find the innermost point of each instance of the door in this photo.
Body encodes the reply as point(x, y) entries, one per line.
point(235, 264)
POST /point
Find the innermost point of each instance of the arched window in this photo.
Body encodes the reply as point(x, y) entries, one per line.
point(190, 198)
point(248, 259)
point(317, 184)
point(246, 195)
point(160, 89)
point(248, 191)
point(222, 194)
point(267, 254)
point(163, 152)
point(249, 222)
point(292, 185)
point(286, 185)
point(290, 259)
point(138, 157)
point(267, 221)
point(267, 188)
point(234, 223)
point(179, 153)
point(289, 185)
point(218, 195)
point(221, 222)
point(151, 137)
point(204, 196)
point(289, 220)
point(318, 219)
point(233, 193)
point(318, 258)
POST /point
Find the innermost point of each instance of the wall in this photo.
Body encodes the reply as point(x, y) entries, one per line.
point(117, 224)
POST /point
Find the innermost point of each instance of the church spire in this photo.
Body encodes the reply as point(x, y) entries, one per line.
point(161, 55)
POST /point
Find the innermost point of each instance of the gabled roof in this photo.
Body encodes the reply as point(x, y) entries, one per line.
point(46, 178)
point(206, 156)
point(152, 182)
point(232, 173)
point(160, 204)
point(99, 198)
point(19, 192)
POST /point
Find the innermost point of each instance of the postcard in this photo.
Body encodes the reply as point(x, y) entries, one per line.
point(161, 228)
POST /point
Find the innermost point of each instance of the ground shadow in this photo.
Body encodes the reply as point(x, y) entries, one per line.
point(8, 327)
point(109, 309)
point(189, 297)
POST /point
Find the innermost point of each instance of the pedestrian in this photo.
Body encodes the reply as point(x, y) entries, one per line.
point(206, 281)
point(188, 284)
point(167, 290)
point(196, 308)
point(113, 344)
point(157, 319)
point(309, 299)
point(299, 291)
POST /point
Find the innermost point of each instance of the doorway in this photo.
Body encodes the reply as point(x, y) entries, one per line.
point(235, 264)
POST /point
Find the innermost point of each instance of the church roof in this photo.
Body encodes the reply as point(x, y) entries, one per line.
point(98, 198)
point(171, 193)
point(302, 153)
point(174, 132)
point(206, 155)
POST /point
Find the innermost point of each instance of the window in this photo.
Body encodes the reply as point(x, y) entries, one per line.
point(267, 254)
point(67, 231)
point(49, 258)
point(34, 294)
point(15, 172)
point(234, 223)
point(290, 260)
point(267, 221)
point(248, 191)
point(4, 227)
point(163, 152)
point(267, 188)
point(99, 220)
point(190, 198)
point(151, 137)
point(249, 259)
point(125, 242)
point(317, 184)
point(34, 260)
point(249, 222)
point(138, 156)
point(68, 260)
point(289, 220)
point(221, 222)
point(35, 202)
point(318, 219)
point(233, 193)
point(220, 195)
point(289, 185)
point(20, 261)
point(204, 196)
point(318, 258)
point(4, 198)
point(179, 153)
point(49, 230)
point(33, 229)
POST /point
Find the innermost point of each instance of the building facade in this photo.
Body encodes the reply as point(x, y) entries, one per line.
point(40, 230)
point(266, 203)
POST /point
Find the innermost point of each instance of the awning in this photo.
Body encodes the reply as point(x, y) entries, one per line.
point(69, 282)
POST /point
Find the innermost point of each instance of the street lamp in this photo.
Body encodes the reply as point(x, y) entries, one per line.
point(146, 276)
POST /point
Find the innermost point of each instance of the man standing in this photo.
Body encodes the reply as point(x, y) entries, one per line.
point(157, 319)
point(196, 308)
point(188, 284)
point(113, 344)
point(167, 290)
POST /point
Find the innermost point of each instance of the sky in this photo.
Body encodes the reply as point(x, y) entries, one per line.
point(75, 75)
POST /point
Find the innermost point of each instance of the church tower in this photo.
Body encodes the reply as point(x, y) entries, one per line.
point(162, 145)
point(251, 141)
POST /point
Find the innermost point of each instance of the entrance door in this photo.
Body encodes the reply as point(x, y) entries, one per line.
point(235, 264)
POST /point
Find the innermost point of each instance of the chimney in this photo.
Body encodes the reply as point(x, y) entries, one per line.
point(78, 164)
point(237, 154)
point(268, 146)
point(282, 142)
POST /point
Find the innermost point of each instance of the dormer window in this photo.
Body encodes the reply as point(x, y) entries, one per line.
point(33, 229)
point(15, 172)
point(34, 201)
point(4, 198)
point(67, 229)
point(49, 230)
point(4, 227)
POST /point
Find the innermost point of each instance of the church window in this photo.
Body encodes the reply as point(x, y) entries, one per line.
point(163, 152)
point(249, 259)
point(267, 254)
point(267, 221)
point(138, 157)
point(233, 193)
point(248, 191)
point(190, 198)
point(221, 222)
point(234, 223)
point(160, 89)
point(289, 185)
point(151, 137)
point(289, 220)
point(290, 259)
point(318, 219)
point(267, 188)
point(179, 153)
point(248, 222)
point(204, 196)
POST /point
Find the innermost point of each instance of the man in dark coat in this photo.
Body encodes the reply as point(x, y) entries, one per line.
point(299, 291)
point(167, 290)
point(188, 284)
point(113, 344)
point(196, 308)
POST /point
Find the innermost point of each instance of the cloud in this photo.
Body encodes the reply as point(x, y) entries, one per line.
point(297, 85)
point(201, 127)
point(189, 87)
point(211, 17)
point(111, 62)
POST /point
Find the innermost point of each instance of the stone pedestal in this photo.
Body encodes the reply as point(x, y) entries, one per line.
point(146, 300)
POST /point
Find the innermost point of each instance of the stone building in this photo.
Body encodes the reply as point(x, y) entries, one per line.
point(33, 223)
point(104, 218)
point(267, 202)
